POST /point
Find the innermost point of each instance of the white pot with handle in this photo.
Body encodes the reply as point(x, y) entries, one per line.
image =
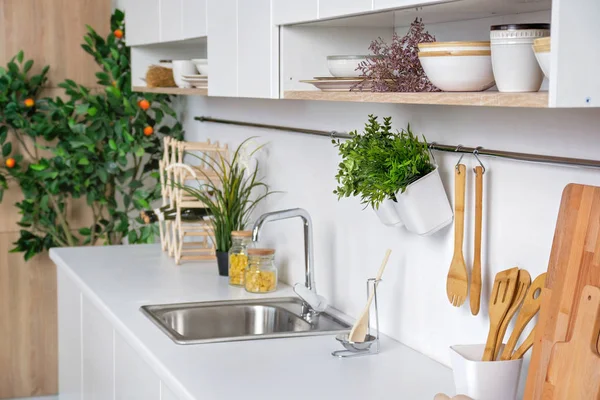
point(424, 207)
point(388, 214)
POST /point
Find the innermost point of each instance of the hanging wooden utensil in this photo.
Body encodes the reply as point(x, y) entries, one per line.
point(573, 265)
point(524, 280)
point(457, 284)
point(475, 292)
point(503, 293)
point(574, 368)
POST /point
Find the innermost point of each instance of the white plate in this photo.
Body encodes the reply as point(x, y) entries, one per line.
point(205, 77)
point(338, 85)
point(195, 81)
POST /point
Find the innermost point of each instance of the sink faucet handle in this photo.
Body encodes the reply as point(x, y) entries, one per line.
point(316, 302)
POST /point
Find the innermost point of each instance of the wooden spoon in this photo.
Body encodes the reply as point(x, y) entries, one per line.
point(475, 292)
point(359, 330)
point(531, 306)
point(521, 291)
point(525, 346)
point(457, 284)
point(503, 293)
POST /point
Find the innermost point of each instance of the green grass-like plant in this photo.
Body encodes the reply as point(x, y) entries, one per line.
point(379, 162)
point(231, 197)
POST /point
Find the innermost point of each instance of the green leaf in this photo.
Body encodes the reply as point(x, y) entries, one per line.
point(112, 144)
point(38, 167)
point(132, 237)
point(27, 66)
point(92, 111)
point(140, 151)
point(6, 149)
point(3, 134)
point(85, 231)
point(81, 109)
point(20, 56)
point(84, 161)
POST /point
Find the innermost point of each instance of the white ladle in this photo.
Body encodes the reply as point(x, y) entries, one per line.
point(359, 330)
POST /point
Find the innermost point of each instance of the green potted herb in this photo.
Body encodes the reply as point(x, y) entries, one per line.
point(231, 194)
point(394, 174)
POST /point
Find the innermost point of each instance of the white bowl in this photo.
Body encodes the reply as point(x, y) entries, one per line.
point(453, 46)
point(201, 65)
point(459, 71)
point(543, 59)
point(180, 68)
point(345, 66)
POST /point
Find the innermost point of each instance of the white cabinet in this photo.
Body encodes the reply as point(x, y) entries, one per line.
point(337, 8)
point(134, 379)
point(386, 4)
point(194, 18)
point(142, 19)
point(171, 27)
point(243, 49)
point(166, 393)
point(97, 350)
point(293, 11)
point(69, 337)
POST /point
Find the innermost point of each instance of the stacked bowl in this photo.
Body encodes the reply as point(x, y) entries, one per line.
point(458, 66)
point(541, 48)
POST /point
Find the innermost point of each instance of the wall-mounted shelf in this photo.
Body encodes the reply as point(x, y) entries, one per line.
point(486, 99)
point(172, 90)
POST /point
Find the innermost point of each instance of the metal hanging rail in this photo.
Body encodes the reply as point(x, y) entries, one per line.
point(536, 158)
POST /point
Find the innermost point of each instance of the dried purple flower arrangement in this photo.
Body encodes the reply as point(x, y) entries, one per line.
point(396, 67)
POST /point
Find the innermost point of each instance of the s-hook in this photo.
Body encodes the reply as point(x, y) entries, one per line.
point(460, 159)
point(431, 147)
point(476, 155)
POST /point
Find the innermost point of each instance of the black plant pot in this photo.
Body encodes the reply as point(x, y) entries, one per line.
point(223, 263)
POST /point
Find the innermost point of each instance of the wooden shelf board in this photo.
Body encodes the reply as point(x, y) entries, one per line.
point(485, 99)
point(172, 90)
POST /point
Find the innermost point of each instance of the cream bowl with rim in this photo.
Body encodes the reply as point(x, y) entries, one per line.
point(454, 46)
point(459, 70)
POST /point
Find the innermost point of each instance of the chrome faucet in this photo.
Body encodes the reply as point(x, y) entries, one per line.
point(308, 238)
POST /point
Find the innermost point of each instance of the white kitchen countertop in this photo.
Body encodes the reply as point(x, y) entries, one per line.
point(120, 279)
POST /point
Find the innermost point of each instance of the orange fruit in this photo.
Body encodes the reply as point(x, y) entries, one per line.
point(10, 163)
point(148, 130)
point(29, 102)
point(144, 104)
point(118, 33)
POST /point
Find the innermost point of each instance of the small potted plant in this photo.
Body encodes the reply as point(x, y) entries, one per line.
point(231, 192)
point(394, 174)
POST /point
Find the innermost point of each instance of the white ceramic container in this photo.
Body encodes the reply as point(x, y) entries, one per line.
point(513, 60)
point(180, 68)
point(459, 71)
point(424, 207)
point(453, 46)
point(345, 66)
point(387, 213)
point(544, 61)
point(484, 380)
point(201, 66)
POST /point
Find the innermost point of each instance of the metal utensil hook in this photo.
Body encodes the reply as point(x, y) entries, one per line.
point(460, 159)
point(476, 155)
point(431, 147)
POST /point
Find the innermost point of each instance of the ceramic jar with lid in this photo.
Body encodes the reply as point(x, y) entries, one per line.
point(238, 256)
point(513, 60)
point(261, 272)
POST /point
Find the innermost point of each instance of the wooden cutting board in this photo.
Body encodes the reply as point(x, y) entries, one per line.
point(574, 263)
point(574, 369)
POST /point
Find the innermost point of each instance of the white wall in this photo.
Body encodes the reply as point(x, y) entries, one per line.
point(521, 204)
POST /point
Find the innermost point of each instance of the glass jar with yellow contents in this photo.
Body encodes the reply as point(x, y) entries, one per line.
point(238, 256)
point(261, 272)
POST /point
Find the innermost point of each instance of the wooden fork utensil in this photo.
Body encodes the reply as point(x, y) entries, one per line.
point(475, 292)
point(457, 284)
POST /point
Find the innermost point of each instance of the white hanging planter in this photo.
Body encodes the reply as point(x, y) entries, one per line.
point(388, 214)
point(424, 207)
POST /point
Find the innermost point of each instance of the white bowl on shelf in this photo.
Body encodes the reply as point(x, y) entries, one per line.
point(201, 65)
point(345, 66)
point(459, 71)
point(453, 46)
point(542, 50)
point(180, 68)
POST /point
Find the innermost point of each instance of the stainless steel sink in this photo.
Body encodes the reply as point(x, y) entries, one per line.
point(227, 321)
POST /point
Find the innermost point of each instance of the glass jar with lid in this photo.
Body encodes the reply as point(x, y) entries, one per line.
point(238, 256)
point(261, 272)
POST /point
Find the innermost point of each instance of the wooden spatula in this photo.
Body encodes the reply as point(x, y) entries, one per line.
point(531, 306)
point(503, 293)
point(521, 291)
point(475, 292)
point(574, 368)
point(457, 284)
point(359, 330)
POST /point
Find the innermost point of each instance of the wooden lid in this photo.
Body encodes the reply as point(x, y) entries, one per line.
point(457, 53)
point(261, 252)
point(241, 234)
point(454, 44)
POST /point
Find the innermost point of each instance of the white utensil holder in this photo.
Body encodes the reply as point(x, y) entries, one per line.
point(484, 380)
point(388, 214)
point(424, 207)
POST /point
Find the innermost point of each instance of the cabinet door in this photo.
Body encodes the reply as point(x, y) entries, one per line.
point(194, 18)
point(142, 18)
point(222, 47)
point(134, 379)
point(166, 393)
point(69, 337)
point(171, 27)
point(294, 11)
point(337, 8)
point(97, 348)
point(258, 50)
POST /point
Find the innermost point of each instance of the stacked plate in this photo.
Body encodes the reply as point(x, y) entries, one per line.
point(197, 81)
point(332, 84)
